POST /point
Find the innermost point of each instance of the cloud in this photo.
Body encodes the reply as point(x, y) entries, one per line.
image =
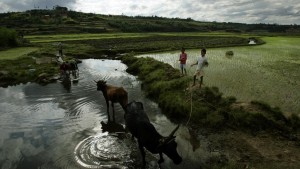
point(242, 11)
point(23, 5)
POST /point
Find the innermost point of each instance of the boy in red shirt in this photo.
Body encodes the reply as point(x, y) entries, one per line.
point(182, 59)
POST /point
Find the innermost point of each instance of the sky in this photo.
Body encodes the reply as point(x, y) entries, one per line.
point(283, 12)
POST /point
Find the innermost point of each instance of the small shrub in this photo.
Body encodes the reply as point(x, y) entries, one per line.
point(230, 53)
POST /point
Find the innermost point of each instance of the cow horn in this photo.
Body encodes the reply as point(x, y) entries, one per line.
point(173, 132)
point(165, 140)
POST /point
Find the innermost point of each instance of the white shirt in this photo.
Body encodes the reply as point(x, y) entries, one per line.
point(201, 60)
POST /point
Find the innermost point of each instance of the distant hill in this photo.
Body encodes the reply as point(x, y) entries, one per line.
point(60, 20)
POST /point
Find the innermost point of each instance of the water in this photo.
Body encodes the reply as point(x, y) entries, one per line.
point(54, 126)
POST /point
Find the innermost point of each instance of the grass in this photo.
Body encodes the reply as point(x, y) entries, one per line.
point(90, 36)
point(15, 53)
point(75, 37)
point(18, 71)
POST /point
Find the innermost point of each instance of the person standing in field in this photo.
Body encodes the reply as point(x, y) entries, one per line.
point(182, 59)
point(201, 63)
point(60, 49)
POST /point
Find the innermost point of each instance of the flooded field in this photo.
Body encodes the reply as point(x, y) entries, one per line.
point(268, 73)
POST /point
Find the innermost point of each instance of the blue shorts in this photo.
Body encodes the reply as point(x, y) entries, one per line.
point(182, 66)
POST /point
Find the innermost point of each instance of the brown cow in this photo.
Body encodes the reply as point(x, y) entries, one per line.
point(114, 95)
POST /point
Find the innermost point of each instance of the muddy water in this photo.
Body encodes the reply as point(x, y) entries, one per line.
point(54, 126)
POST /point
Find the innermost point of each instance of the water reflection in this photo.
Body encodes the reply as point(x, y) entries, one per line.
point(103, 151)
point(51, 127)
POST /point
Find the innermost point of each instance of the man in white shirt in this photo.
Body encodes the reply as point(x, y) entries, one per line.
point(201, 63)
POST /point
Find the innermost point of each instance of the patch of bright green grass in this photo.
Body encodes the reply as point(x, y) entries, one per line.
point(16, 52)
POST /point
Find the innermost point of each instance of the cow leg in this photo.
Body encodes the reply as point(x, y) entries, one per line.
point(161, 160)
point(112, 105)
point(142, 152)
point(107, 106)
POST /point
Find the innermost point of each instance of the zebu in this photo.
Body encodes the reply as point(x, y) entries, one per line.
point(67, 68)
point(138, 123)
point(114, 95)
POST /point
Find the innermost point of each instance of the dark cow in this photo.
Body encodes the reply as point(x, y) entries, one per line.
point(138, 123)
point(67, 68)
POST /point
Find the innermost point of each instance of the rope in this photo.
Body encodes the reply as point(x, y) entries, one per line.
point(188, 148)
point(191, 110)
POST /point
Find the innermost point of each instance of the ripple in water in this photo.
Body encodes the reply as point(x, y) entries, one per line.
point(105, 151)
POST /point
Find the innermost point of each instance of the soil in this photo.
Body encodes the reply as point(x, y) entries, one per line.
point(245, 150)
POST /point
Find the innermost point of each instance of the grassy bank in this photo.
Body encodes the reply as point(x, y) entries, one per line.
point(24, 69)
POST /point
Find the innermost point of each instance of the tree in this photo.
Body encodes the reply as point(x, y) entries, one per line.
point(8, 38)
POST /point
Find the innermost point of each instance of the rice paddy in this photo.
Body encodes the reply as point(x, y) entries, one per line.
point(268, 73)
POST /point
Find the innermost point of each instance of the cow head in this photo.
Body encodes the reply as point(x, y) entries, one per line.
point(169, 147)
point(101, 84)
point(134, 107)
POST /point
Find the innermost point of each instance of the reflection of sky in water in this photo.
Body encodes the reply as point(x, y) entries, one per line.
point(106, 68)
point(27, 122)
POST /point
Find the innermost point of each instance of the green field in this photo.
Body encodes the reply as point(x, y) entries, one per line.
point(16, 52)
point(75, 37)
point(268, 73)
point(90, 36)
